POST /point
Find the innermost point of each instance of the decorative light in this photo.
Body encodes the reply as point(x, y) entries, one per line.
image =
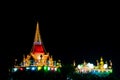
point(52, 69)
point(33, 68)
point(45, 68)
point(55, 69)
point(58, 70)
point(48, 68)
point(39, 68)
point(110, 71)
point(27, 68)
point(105, 66)
point(21, 69)
point(79, 66)
point(15, 69)
point(90, 65)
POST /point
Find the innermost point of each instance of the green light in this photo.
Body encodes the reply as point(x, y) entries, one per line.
point(110, 71)
point(58, 70)
point(45, 68)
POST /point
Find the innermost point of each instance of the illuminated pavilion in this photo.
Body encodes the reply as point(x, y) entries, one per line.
point(101, 69)
point(38, 59)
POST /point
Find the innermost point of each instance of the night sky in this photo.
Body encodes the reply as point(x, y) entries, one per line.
point(67, 35)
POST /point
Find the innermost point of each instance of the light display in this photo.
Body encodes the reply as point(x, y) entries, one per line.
point(38, 59)
point(36, 68)
point(101, 69)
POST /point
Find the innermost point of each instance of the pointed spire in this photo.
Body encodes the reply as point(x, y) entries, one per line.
point(23, 58)
point(84, 62)
point(97, 62)
point(15, 62)
point(51, 58)
point(101, 61)
point(37, 34)
point(74, 64)
point(110, 62)
point(38, 46)
point(106, 62)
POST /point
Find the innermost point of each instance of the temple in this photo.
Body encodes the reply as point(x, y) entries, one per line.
point(101, 69)
point(38, 57)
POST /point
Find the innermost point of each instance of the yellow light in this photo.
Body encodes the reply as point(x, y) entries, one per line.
point(39, 68)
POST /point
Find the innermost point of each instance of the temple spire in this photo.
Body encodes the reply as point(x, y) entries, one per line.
point(74, 63)
point(38, 46)
point(37, 34)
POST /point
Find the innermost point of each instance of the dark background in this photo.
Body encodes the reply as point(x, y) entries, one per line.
point(68, 33)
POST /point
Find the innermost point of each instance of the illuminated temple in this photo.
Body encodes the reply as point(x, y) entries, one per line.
point(38, 58)
point(101, 69)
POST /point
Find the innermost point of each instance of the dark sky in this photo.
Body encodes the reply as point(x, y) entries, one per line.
point(68, 35)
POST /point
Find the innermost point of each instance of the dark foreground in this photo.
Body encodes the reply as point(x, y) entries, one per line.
point(66, 73)
point(56, 76)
